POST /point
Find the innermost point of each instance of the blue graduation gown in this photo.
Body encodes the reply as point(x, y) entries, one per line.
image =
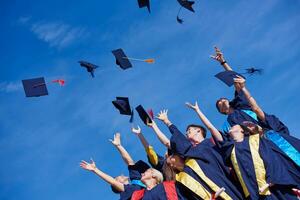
point(135, 172)
point(280, 135)
point(208, 159)
point(279, 171)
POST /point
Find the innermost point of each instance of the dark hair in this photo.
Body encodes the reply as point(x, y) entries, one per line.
point(218, 101)
point(168, 172)
point(203, 130)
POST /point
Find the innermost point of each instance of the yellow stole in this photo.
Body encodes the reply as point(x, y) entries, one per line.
point(259, 167)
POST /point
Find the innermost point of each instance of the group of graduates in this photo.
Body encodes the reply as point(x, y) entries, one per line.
point(254, 157)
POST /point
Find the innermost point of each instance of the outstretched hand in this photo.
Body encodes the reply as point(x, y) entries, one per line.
point(88, 166)
point(137, 130)
point(218, 56)
point(162, 115)
point(117, 139)
point(194, 107)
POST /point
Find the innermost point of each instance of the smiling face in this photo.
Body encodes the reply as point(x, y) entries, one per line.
point(194, 135)
point(223, 106)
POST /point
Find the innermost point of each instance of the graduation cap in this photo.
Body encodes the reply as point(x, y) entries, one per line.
point(89, 67)
point(187, 5)
point(144, 3)
point(251, 71)
point(124, 62)
point(122, 104)
point(35, 87)
point(143, 114)
point(227, 77)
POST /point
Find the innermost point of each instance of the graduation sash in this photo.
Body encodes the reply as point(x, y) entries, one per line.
point(153, 158)
point(192, 163)
point(193, 185)
point(259, 167)
point(284, 145)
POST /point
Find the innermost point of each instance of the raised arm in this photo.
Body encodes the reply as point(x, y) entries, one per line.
point(140, 135)
point(220, 58)
point(160, 135)
point(125, 155)
point(152, 155)
point(217, 135)
point(107, 178)
point(254, 106)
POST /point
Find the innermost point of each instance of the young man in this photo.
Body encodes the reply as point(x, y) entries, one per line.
point(202, 168)
point(238, 110)
point(121, 184)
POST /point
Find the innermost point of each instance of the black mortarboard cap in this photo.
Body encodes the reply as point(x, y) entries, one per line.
point(122, 104)
point(121, 59)
point(35, 87)
point(144, 3)
point(227, 77)
point(143, 114)
point(187, 4)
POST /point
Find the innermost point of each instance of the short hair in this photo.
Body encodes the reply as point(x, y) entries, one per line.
point(218, 101)
point(157, 175)
point(203, 130)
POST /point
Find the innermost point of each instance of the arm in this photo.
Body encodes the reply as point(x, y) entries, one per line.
point(254, 106)
point(160, 135)
point(110, 180)
point(152, 156)
point(125, 155)
point(217, 135)
point(220, 58)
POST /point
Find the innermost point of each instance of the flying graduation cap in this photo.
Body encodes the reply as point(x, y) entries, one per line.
point(144, 115)
point(37, 87)
point(187, 5)
point(251, 71)
point(124, 62)
point(122, 104)
point(144, 3)
point(89, 67)
point(227, 77)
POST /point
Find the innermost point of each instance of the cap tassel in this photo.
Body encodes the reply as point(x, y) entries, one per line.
point(150, 60)
point(61, 82)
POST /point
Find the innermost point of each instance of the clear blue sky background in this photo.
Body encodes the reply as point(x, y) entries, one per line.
point(42, 140)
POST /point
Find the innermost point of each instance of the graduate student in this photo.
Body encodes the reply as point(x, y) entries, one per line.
point(125, 186)
point(201, 168)
point(262, 172)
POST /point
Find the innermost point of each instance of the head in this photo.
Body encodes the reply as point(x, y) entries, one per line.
point(237, 133)
point(223, 106)
point(169, 172)
point(176, 162)
point(152, 176)
point(195, 133)
point(252, 128)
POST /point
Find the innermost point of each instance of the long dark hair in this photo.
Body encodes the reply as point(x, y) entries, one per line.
point(168, 172)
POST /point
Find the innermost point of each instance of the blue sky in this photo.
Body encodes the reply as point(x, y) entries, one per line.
point(42, 140)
